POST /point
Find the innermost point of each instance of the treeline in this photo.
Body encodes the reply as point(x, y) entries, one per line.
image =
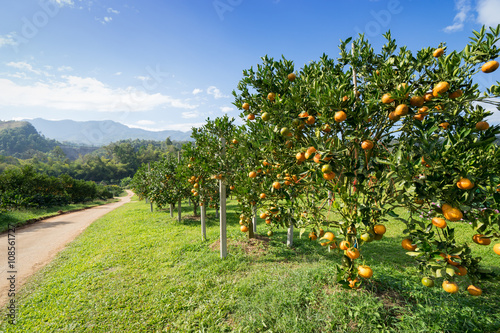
point(115, 163)
point(26, 188)
point(21, 140)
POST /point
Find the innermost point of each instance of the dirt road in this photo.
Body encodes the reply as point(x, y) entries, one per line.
point(37, 244)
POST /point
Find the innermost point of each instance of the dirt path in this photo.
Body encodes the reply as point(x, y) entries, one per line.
point(37, 244)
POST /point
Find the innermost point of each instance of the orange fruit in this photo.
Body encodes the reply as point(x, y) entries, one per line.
point(263, 215)
point(401, 110)
point(465, 184)
point(322, 233)
point(417, 101)
point(423, 110)
point(244, 228)
point(277, 185)
point(301, 157)
point(444, 125)
point(310, 151)
point(312, 235)
point(490, 66)
point(451, 262)
point(482, 126)
point(245, 106)
point(379, 229)
point(407, 245)
point(386, 98)
point(419, 117)
point(445, 207)
point(268, 221)
point(344, 245)
point(329, 236)
point(265, 116)
point(340, 116)
point(462, 271)
point(352, 283)
point(440, 88)
point(329, 176)
point(232, 187)
point(428, 282)
point(367, 145)
point(456, 94)
point(428, 97)
point(352, 253)
point(271, 96)
point(474, 291)
point(453, 214)
point(251, 116)
point(496, 248)
point(252, 174)
point(393, 116)
point(291, 77)
point(262, 196)
point(439, 222)
point(450, 287)
point(365, 271)
point(327, 128)
point(234, 141)
point(317, 158)
point(310, 120)
point(303, 114)
point(481, 239)
point(438, 52)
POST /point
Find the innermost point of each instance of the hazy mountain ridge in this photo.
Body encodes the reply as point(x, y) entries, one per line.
point(98, 133)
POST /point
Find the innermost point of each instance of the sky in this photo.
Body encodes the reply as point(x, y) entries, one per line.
point(171, 64)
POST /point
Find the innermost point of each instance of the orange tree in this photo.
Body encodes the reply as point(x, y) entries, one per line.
point(380, 131)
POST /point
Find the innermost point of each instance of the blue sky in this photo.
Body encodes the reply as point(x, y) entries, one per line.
point(170, 64)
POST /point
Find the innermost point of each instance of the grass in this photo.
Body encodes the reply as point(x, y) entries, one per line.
point(136, 271)
point(22, 217)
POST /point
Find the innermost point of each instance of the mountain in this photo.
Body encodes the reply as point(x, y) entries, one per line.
point(98, 133)
point(21, 139)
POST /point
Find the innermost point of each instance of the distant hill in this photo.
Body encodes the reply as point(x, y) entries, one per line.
point(20, 139)
point(98, 133)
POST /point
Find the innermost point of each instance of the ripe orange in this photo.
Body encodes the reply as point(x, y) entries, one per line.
point(251, 116)
point(309, 152)
point(423, 110)
point(245, 106)
point(244, 228)
point(312, 235)
point(252, 174)
point(438, 52)
point(329, 236)
point(301, 157)
point(452, 262)
point(232, 187)
point(474, 291)
point(393, 117)
point(428, 97)
point(262, 196)
point(407, 245)
point(481, 239)
point(340, 116)
point(445, 207)
point(344, 245)
point(453, 214)
point(450, 287)
point(303, 114)
point(271, 96)
point(496, 248)
point(291, 77)
point(490, 66)
point(401, 110)
point(440, 88)
point(482, 126)
point(263, 215)
point(367, 145)
point(419, 117)
point(268, 221)
point(462, 271)
point(365, 271)
point(310, 120)
point(439, 222)
point(444, 125)
point(329, 176)
point(317, 158)
point(465, 184)
point(352, 283)
point(327, 128)
point(456, 94)
point(417, 101)
point(386, 98)
point(379, 229)
point(352, 253)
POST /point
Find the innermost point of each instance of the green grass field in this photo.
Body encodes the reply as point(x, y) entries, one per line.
point(22, 217)
point(136, 271)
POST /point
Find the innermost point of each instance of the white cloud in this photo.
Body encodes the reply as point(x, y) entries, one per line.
point(24, 66)
point(64, 69)
point(63, 3)
point(226, 109)
point(113, 11)
point(118, 73)
point(107, 19)
point(463, 7)
point(84, 94)
point(212, 90)
point(142, 78)
point(197, 91)
point(7, 39)
point(146, 122)
point(190, 114)
point(488, 12)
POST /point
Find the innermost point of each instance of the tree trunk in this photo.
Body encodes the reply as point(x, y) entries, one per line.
point(203, 222)
point(172, 210)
